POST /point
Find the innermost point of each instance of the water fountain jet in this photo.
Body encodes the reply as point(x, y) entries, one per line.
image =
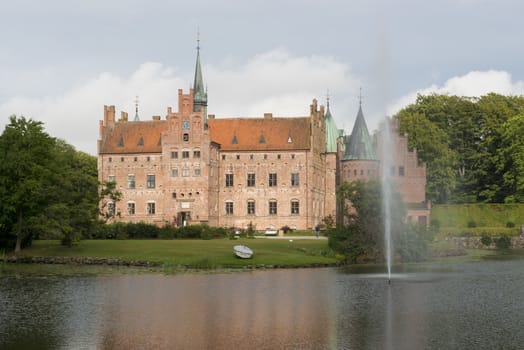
point(387, 163)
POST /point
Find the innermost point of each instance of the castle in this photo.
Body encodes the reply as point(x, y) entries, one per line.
point(193, 168)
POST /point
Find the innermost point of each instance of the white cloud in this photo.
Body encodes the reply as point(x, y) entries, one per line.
point(74, 115)
point(472, 84)
point(275, 82)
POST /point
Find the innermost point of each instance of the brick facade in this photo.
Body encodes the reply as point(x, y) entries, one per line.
point(191, 168)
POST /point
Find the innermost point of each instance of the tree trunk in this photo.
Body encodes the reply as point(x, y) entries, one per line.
point(18, 246)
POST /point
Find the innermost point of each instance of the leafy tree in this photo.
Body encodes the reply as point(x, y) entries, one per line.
point(464, 142)
point(26, 174)
point(108, 194)
point(361, 237)
point(510, 160)
point(47, 188)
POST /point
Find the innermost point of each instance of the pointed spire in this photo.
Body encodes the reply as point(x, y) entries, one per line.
point(332, 132)
point(137, 118)
point(360, 146)
point(200, 94)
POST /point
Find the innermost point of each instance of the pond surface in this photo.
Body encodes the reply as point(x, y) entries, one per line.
point(477, 305)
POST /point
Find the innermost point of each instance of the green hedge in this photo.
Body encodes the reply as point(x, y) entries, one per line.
point(141, 230)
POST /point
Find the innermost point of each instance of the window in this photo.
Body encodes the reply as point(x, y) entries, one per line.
point(250, 207)
point(121, 159)
point(400, 171)
point(197, 172)
point(238, 156)
point(185, 172)
point(272, 207)
point(186, 137)
point(196, 154)
point(250, 156)
point(229, 180)
point(130, 181)
point(251, 179)
point(185, 154)
point(278, 156)
point(110, 160)
point(148, 158)
point(150, 183)
point(131, 208)
point(174, 155)
point(111, 208)
point(150, 208)
point(174, 172)
point(265, 156)
point(295, 207)
point(111, 178)
point(292, 156)
point(185, 125)
point(223, 157)
point(272, 179)
point(229, 208)
point(135, 159)
point(295, 179)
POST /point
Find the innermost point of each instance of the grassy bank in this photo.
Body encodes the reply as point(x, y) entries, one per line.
point(478, 219)
point(206, 254)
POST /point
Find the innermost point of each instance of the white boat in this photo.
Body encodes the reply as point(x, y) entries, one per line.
point(243, 252)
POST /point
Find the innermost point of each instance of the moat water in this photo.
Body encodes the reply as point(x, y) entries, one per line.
point(476, 305)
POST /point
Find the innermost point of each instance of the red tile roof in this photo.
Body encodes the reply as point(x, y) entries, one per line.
point(233, 134)
point(257, 134)
point(134, 137)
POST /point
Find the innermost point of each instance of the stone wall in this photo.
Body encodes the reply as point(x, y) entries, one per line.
point(475, 243)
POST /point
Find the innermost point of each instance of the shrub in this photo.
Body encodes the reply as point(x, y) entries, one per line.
point(486, 239)
point(286, 229)
point(472, 223)
point(503, 242)
point(166, 232)
point(510, 224)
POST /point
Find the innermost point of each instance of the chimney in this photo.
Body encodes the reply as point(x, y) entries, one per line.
point(268, 115)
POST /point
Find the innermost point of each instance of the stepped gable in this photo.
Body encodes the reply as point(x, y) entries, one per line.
point(256, 134)
point(134, 137)
point(359, 146)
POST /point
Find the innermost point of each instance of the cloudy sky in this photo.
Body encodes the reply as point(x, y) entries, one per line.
point(61, 61)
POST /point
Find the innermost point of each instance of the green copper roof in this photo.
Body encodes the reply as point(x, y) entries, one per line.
point(332, 133)
point(200, 98)
point(359, 145)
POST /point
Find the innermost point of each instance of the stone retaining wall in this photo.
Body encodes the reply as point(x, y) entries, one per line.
point(475, 243)
point(76, 260)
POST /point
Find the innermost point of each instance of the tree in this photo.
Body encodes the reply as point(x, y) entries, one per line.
point(361, 237)
point(461, 139)
point(47, 188)
point(26, 174)
point(510, 166)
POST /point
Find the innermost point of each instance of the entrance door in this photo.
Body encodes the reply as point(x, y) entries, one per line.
point(183, 218)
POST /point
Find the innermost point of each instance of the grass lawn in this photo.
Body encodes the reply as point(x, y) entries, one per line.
point(205, 254)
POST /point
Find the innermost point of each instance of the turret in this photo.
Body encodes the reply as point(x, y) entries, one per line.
point(200, 93)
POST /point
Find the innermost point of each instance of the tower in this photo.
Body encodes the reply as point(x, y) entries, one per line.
point(200, 93)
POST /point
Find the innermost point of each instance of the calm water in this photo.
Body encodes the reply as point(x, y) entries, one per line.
point(463, 306)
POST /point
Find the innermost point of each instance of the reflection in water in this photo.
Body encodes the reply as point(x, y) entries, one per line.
point(267, 310)
point(467, 306)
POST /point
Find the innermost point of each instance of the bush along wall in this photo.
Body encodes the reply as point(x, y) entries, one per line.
point(141, 230)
